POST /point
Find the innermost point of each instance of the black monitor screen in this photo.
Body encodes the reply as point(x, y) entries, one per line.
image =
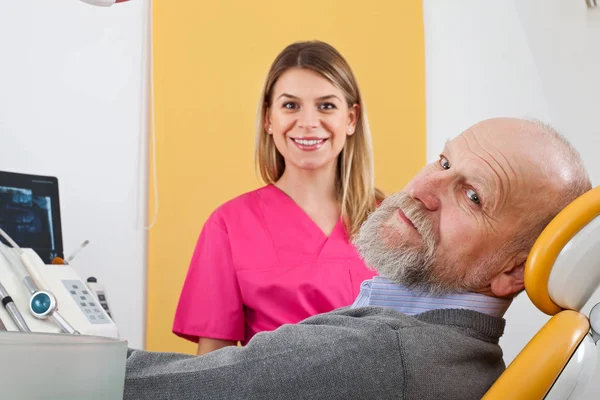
point(30, 213)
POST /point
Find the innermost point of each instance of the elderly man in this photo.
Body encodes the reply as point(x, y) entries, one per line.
point(450, 250)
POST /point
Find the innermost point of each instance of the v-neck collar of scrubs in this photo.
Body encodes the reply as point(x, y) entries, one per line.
point(293, 220)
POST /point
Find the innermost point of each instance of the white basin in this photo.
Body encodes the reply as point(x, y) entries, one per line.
point(56, 366)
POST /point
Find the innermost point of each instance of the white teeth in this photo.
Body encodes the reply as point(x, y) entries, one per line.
point(309, 142)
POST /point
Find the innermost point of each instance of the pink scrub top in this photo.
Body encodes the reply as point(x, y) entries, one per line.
point(261, 262)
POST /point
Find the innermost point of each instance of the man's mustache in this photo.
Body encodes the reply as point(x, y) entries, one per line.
point(414, 210)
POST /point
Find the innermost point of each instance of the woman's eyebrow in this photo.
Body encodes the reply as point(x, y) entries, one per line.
point(291, 96)
point(326, 97)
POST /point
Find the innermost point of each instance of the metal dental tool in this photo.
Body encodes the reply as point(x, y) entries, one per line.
point(12, 310)
point(42, 303)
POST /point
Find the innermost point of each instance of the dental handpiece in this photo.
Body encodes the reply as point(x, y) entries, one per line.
point(12, 310)
point(63, 324)
point(43, 305)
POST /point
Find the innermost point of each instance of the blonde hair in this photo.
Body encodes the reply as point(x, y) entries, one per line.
point(354, 182)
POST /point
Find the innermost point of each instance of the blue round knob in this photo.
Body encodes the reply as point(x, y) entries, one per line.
point(40, 303)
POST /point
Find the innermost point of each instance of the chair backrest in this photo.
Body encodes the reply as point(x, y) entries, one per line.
point(561, 274)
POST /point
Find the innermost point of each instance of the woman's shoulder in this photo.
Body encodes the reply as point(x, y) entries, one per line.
point(242, 204)
point(245, 200)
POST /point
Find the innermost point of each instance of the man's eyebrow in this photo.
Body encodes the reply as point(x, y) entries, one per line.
point(485, 185)
point(446, 147)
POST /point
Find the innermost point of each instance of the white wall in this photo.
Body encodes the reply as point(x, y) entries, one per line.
point(534, 58)
point(72, 105)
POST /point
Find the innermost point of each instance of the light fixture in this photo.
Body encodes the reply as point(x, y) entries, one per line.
point(591, 3)
point(103, 3)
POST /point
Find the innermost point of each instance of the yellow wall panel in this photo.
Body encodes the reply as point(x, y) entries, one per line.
point(210, 59)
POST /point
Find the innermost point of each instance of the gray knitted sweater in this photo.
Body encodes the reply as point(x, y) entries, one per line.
point(362, 353)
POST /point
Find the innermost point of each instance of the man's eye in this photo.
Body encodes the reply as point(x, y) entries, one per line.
point(473, 196)
point(290, 105)
point(327, 106)
point(444, 163)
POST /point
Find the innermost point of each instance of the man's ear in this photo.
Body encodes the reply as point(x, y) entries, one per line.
point(511, 280)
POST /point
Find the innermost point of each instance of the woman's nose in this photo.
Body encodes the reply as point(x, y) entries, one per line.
point(308, 119)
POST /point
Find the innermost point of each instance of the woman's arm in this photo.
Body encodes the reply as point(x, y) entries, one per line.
point(210, 305)
point(206, 345)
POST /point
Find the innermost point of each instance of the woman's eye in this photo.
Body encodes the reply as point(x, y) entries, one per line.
point(444, 162)
point(327, 106)
point(290, 105)
point(473, 196)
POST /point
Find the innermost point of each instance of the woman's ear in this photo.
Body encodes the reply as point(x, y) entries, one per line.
point(353, 114)
point(268, 127)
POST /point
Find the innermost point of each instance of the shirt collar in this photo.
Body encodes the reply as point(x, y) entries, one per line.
point(381, 292)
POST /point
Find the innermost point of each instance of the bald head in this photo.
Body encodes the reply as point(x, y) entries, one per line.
point(569, 167)
point(467, 221)
point(550, 169)
point(543, 151)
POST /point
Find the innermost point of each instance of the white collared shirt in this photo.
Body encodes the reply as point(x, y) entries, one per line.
point(381, 292)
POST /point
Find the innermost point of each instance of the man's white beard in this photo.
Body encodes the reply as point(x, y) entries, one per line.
point(394, 258)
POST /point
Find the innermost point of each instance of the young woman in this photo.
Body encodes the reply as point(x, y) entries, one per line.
point(283, 253)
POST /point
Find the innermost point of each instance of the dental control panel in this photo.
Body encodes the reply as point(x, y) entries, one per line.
point(75, 307)
point(87, 302)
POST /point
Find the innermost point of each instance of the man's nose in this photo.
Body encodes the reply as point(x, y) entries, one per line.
point(308, 119)
point(427, 190)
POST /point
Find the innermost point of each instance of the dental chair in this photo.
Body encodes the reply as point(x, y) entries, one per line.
point(561, 274)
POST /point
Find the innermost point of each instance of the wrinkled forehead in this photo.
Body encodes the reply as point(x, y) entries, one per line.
point(515, 155)
point(510, 169)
